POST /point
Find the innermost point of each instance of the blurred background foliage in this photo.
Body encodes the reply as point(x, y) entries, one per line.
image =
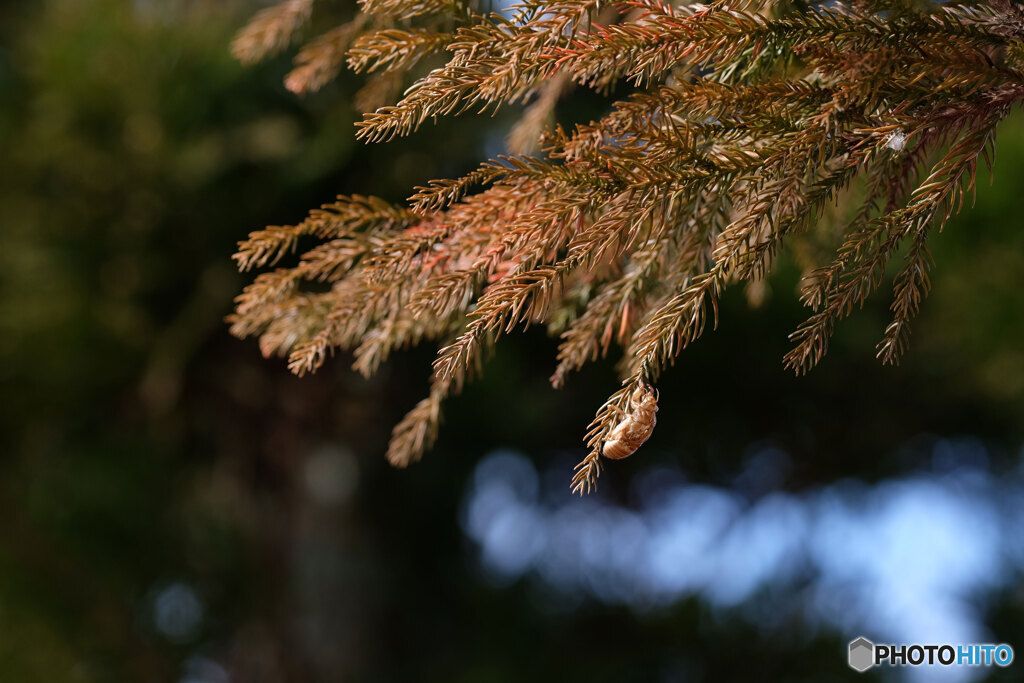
point(175, 508)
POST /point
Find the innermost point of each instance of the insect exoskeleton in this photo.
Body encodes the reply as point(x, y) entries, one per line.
point(635, 427)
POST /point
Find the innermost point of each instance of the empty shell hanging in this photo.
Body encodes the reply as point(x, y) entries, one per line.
point(636, 425)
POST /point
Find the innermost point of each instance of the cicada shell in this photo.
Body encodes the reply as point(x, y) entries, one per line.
point(636, 425)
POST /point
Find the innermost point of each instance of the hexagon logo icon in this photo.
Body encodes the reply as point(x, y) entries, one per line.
point(862, 654)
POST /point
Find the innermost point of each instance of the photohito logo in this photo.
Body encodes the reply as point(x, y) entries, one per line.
point(864, 654)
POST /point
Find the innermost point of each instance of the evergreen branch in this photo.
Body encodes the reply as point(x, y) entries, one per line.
point(346, 216)
point(751, 119)
point(417, 431)
point(403, 10)
point(320, 60)
point(944, 185)
point(493, 61)
point(861, 264)
point(439, 194)
point(394, 50)
point(270, 31)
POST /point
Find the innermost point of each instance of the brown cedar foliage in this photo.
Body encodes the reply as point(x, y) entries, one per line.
point(745, 121)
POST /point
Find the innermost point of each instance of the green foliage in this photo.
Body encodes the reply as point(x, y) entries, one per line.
point(745, 123)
